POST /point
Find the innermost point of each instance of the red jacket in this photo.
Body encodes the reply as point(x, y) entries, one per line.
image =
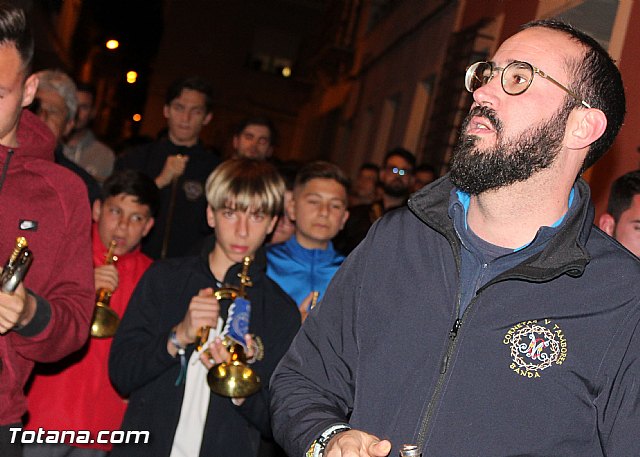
point(77, 393)
point(47, 204)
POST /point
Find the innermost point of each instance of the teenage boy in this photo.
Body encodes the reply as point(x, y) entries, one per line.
point(48, 315)
point(179, 164)
point(622, 219)
point(254, 138)
point(156, 341)
point(76, 394)
point(304, 265)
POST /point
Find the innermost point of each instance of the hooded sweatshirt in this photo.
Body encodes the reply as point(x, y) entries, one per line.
point(47, 204)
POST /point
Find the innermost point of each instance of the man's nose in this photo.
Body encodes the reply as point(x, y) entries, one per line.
point(242, 226)
point(489, 93)
point(323, 209)
point(123, 222)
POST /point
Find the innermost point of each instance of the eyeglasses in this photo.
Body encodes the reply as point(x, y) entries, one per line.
point(516, 78)
point(399, 171)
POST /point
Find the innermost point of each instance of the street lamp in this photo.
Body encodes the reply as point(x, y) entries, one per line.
point(112, 44)
point(132, 77)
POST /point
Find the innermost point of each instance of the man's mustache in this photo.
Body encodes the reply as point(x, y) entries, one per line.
point(487, 113)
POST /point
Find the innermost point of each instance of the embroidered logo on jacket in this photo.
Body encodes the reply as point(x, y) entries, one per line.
point(535, 346)
point(193, 190)
point(26, 224)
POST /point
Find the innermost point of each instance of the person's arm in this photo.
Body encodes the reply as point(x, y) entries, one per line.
point(139, 348)
point(283, 324)
point(618, 405)
point(142, 350)
point(64, 301)
point(313, 387)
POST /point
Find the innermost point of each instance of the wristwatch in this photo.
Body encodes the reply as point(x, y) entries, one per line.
point(318, 446)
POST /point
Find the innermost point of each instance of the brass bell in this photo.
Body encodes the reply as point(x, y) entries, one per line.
point(234, 379)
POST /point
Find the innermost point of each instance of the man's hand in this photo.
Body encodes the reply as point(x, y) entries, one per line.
point(218, 353)
point(173, 168)
point(203, 311)
point(354, 443)
point(16, 309)
point(106, 277)
point(305, 306)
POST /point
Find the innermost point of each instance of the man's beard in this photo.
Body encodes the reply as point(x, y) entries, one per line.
point(396, 188)
point(476, 170)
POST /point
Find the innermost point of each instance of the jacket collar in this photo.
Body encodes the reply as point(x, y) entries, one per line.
point(257, 267)
point(35, 139)
point(297, 251)
point(565, 253)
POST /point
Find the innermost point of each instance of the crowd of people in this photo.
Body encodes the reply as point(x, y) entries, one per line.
point(454, 313)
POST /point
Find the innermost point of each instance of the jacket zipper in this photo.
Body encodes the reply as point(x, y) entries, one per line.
point(444, 365)
point(451, 346)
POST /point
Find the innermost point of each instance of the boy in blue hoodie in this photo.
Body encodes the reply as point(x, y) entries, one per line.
point(304, 265)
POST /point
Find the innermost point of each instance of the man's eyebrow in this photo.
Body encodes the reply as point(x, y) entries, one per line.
point(508, 62)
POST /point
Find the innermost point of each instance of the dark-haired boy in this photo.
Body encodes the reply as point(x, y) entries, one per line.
point(304, 265)
point(179, 163)
point(254, 138)
point(154, 358)
point(76, 394)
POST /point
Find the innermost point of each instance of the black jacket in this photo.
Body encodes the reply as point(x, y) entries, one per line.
point(141, 368)
point(188, 220)
point(544, 362)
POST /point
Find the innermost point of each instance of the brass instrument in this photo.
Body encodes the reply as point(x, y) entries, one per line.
point(314, 299)
point(105, 319)
point(233, 379)
point(16, 267)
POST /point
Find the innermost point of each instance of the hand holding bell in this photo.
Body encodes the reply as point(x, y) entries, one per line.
point(229, 373)
point(203, 311)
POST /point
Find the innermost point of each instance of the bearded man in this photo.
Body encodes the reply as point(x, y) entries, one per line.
point(396, 181)
point(490, 317)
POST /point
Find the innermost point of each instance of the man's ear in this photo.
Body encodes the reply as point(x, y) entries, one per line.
point(30, 88)
point(290, 208)
point(207, 118)
point(210, 219)
point(345, 217)
point(272, 224)
point(607, 224)
point(586, 126)
point(165, 111)
point(148, 226)
point(68, 127)
point(96, 210)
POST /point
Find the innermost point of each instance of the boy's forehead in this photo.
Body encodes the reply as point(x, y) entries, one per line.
point(323, 185)
point(250, 204)
point(124, 198)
